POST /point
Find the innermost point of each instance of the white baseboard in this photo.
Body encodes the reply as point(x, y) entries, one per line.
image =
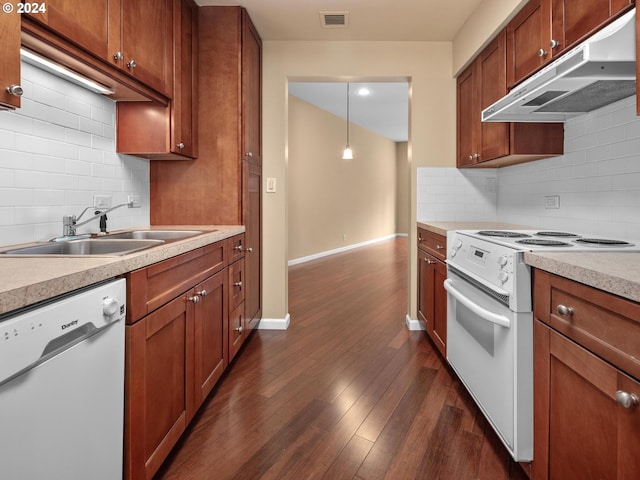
point(315, 256)
point(413, 324)
point(274, 323)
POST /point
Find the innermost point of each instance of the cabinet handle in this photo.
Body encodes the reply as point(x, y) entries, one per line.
point(202, 293)
point(439, 247)
point(194, 299)
point(626, 400)
point(180, 145)
point(554, 43)
point(429, 261)
point(249, 249)
point(238, 329)
point(564, 310)
point(419, 238)
point(132, 63)
point(542, 53)
point(238, 247)
point(238, 284)
point(118, 56)
point(15, 90)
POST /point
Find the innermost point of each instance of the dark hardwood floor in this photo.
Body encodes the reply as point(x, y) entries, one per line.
point(347, 392)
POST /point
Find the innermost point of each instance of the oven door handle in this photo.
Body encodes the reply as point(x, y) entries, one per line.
point(475, 308)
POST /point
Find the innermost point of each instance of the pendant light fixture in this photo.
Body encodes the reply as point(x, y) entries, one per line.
point(348, 153)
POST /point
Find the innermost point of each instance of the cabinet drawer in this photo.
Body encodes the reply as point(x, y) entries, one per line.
point(153, 286)
point(236, 284)
point(605, 324)
point(432, 243)
point(236, 247)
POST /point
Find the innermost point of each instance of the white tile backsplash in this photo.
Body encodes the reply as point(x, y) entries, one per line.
point(56, 153)
point(597, 179)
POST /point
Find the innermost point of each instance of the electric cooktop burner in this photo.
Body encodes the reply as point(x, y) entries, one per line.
point(502, 233)
point(544, 242)
point(603, 242)
point(557, 234)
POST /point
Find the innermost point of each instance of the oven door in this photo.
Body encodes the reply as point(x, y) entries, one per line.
point(491, 349)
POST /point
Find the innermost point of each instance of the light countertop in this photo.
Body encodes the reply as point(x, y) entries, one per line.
point(26, 280)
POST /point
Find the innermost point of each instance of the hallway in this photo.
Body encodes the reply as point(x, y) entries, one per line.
point(347, 392)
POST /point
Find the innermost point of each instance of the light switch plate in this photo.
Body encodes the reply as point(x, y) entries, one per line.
point(135, 201)
point(271, 185)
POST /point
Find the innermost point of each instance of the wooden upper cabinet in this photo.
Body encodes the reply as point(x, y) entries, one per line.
point(9, 59)
point(144, 46)
point(251, 91)
point(86, 23)
point(170, 132)
point(544, 29)
point(493, 144)
point(528, 37)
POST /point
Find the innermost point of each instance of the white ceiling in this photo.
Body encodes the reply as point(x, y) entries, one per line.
point(386, 110)
point(383, 20)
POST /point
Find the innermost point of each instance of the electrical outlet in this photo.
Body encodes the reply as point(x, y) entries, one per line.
point(551, 201)
point(102, 201)
point(135, 200)
point(271, 185)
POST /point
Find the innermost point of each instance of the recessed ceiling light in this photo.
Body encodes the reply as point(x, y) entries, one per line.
point(364, 91)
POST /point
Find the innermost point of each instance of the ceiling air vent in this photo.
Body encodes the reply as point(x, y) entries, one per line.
point(334, 19)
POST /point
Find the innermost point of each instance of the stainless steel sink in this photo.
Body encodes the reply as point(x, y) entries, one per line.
point(166, 235)
point(88, 246)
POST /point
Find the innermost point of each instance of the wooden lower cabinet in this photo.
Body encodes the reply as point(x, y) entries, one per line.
point(176, 353)
point(432, 297)
point(585, 369)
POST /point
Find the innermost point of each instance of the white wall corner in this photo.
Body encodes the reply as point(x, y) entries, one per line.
point(274, 323)
point(413, 324)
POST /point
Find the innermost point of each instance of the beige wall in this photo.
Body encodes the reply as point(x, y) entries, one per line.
point(427, 66)
point(403, 173)
point(332, 202)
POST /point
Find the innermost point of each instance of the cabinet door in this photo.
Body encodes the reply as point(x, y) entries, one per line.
point(432, 299)
point(581, 430)
point(84, 23)
point(10, 58)
point(184, 112)
point(159, 364)
point(253, 242)
point(237, 333)
point(494, 136)
point(251, 91)
point(573, 21)
point(210, 349)
point(528, 37)
point(468, 116)
point(146, 39)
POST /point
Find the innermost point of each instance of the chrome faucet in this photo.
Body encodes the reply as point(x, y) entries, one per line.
point(70, 222)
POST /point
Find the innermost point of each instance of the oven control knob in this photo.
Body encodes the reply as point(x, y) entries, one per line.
point(502, 261)
point(503, 277)
point(110, 307)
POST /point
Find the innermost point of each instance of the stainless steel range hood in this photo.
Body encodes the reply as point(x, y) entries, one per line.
point(599, 71)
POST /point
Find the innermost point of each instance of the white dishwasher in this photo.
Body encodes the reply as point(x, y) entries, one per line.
point(62, 387)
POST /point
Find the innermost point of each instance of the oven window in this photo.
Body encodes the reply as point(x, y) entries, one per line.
point(480, 330)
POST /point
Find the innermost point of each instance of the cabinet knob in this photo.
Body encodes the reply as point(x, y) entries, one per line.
point(15, 90)
point(118, 56)
point(249, 249)
point(470, 157)
point(542, 53)
point(554, 43)
point(626, 400)
point(564, 310)
point(194, 299)
point(476, 156)
point(180, 145)
point(249, 155)
point(238, 329)
point(429, 261)
point(238, 284)
point(132, 64)
point(238, 248)
point(202, 293)
point(439, 247)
